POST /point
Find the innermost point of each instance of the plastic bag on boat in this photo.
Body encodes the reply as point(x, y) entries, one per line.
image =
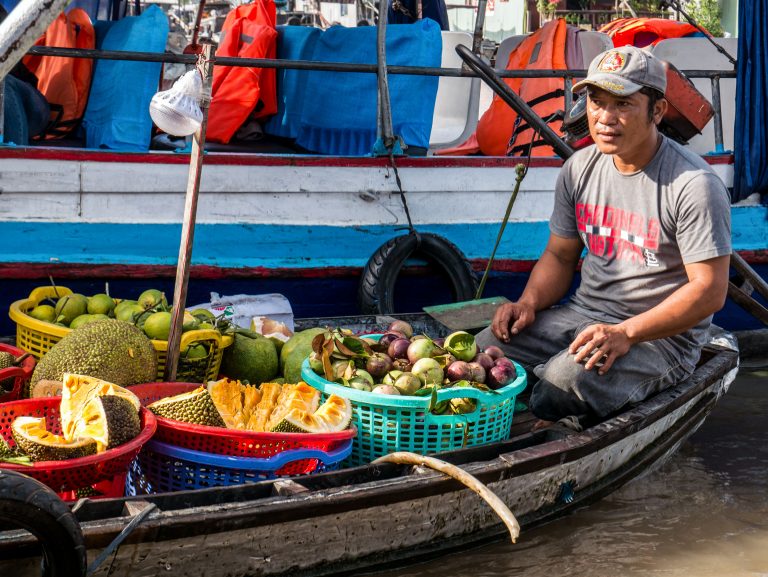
point(241, 309)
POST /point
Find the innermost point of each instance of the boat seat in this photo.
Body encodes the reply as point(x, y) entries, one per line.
point(457, 100)
point(690, 54)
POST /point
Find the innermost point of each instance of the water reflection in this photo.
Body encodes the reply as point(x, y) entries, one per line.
point(704, 513)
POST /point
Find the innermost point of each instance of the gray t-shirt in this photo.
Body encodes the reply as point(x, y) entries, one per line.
point(640, 229)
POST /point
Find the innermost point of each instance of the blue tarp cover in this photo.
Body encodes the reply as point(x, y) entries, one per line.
point(117, 115)
point(293, 43)
point(339, 115)
point(750, 140)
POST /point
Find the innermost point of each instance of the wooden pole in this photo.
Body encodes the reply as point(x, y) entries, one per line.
point(205, 63)
point(22, 27)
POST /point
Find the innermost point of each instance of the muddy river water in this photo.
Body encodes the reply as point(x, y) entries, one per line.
point(703, 513)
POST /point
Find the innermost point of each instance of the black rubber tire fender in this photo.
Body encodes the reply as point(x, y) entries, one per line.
point(26, 503)
point(376, 293)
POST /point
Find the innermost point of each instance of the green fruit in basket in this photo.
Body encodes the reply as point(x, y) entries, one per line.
point(85, 319)
point(69, 307)
point(205, 326)
point(31, 436)
point(45, 313)
point(107, 349)
point(158, 326)
point(128, 313)
point(189, 323)
point(461, 345)
point(194, 351)
point(101, 304)
point(152, 298)
point(295, 350)
point(251, 357)
point(195, 407)
point(334, 415)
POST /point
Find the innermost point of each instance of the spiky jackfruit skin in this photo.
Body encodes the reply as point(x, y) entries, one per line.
point(196, 408)
point(121, 421)
point(107, 349)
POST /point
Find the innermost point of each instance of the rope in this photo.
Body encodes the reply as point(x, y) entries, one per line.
point(520, 170)
point(400, 190)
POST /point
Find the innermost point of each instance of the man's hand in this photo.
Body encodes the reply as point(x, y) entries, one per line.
point(602, 344)
point(510, 319)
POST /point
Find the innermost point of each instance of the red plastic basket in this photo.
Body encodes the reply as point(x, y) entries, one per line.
point(104, 473)
point(21, 374)
point(221, 441)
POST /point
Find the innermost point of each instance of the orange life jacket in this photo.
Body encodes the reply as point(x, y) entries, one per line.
point(65, 82)
point(642, 32)
point(500, 131)
point(239, 92)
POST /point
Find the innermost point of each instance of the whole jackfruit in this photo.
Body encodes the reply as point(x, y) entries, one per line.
point(107, 349)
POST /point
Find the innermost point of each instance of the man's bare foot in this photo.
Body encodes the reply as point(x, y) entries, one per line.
point(541, 424)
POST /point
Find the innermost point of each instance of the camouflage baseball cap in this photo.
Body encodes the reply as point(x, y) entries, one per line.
point(625, 70)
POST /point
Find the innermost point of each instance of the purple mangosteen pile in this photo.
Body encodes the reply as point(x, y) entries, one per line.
point(403, 363)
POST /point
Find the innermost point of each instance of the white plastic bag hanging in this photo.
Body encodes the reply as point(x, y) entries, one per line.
point(176, 111)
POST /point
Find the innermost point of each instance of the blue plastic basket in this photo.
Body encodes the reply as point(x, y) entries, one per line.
point(161, 468)
point(389, 423)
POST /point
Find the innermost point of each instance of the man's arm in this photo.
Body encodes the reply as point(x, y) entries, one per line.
point(703, 295)
point(549, 282)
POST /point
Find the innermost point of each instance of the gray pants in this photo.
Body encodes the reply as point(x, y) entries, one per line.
point(565, 387)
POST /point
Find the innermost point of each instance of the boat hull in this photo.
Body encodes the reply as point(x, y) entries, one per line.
point(370, 517)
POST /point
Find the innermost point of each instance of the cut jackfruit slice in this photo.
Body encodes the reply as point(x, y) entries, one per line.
point(270, 392)
point(195, 407)
point(78, 390)
point(334, 415)
point(35, 440)
point(300, 396)
point(235, 402)
point(109, 420)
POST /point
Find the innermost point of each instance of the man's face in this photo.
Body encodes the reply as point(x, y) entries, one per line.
point(620, 125)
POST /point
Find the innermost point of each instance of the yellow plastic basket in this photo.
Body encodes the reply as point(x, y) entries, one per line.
point(37, 337)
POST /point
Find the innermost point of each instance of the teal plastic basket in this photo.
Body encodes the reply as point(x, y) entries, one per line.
point(389, 423)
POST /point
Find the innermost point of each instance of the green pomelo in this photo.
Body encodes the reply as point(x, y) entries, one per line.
point(101, 304)
point(294, 351)
point(128, 313)
point(190, 323)
point(44, 313)
point(70, 307)
point(151, 298)
point(251, 357)
point(158, 326)
point(196, 351)
point(80, 321)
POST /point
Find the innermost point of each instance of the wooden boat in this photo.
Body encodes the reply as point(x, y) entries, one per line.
point(381, 514)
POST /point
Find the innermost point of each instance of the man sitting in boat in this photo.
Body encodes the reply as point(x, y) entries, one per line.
point(655, 223)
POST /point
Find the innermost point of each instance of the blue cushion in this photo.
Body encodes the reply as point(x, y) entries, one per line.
point(340, 116)
point(117, 115)
point(293, 43)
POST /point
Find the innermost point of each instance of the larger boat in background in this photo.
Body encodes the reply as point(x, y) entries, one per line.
point(306, 225)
